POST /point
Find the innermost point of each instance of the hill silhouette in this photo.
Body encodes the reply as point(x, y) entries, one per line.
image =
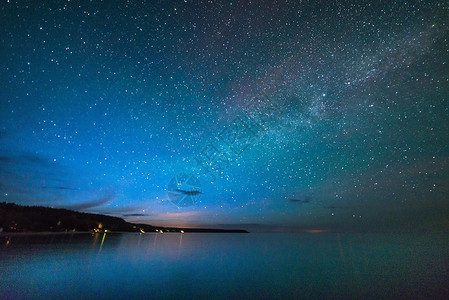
point(18, 218)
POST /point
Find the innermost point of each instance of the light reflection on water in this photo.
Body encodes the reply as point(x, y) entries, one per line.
point(173, 265)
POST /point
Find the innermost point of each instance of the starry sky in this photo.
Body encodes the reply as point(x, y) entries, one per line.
point(294, 115)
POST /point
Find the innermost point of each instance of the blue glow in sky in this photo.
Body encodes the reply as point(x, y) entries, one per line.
point(300, 114)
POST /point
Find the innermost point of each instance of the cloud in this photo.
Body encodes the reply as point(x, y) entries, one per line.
point(117, 211)
point(336, 207)
point(26, 158)
point(60, 188)
point(26, 176)
point(189, 193)
point(176, 215)
point(90, 204)
point(300, 201)
point(168, 219)
point(5, 159)
point(135, 215)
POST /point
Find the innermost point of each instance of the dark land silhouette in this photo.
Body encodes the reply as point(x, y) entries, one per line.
point(18, 218)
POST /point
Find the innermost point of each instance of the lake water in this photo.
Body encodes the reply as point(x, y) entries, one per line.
point(224, 266)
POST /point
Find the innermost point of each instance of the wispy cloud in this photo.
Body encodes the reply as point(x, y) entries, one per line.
point(135, 215)
point(300, 201)
point(91, 204)
point(60, 188)
point(25, 158)
point(26, 176)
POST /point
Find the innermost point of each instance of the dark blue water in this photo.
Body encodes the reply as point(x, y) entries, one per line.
point(224, 266)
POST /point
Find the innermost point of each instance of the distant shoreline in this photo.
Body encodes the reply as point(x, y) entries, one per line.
point(45, 233)
point(3, 234)
point(37, 219)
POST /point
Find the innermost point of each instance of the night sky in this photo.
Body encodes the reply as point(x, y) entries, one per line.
point(291, 115)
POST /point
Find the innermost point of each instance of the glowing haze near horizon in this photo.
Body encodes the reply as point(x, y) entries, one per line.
point(103, 102)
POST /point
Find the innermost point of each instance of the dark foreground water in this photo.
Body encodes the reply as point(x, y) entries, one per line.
point(224, 266)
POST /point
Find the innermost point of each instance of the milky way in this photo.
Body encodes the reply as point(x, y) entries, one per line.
point(289, 114)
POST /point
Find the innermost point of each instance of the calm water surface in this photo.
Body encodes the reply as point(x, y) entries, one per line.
point(224, 266)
